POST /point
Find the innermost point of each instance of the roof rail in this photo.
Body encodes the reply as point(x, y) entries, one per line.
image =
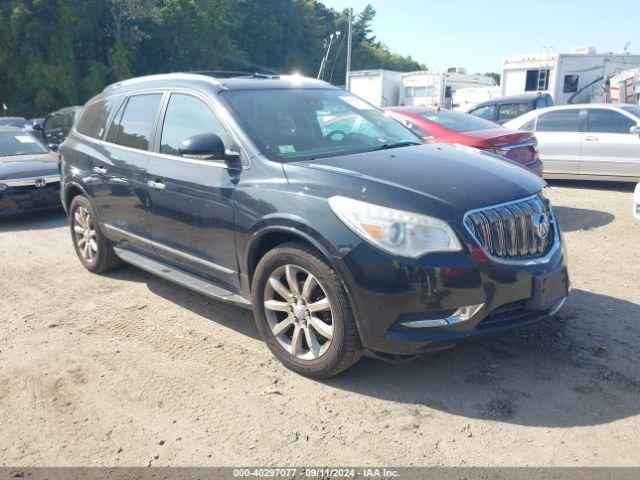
point(147, 78)
point(235, 74)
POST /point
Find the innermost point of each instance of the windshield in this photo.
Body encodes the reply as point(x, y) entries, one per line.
point(19, 143)
point(13, 122)
point(291, 125)
point(457, 121)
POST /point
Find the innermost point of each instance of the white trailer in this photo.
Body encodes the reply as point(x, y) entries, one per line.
point(378, 87)
point(428, 89)
point(576, 77)
point(624, 87)
point(464, 99)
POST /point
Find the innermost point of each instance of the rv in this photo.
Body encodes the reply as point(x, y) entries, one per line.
point(428, 89)
point(576, 77)
point(378, 87)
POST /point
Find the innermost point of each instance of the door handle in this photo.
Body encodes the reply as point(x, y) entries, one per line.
point(591, 139)
point(157, 185)
point(100, 170)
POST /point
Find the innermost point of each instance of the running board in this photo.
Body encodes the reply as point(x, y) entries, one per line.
point(181, 277)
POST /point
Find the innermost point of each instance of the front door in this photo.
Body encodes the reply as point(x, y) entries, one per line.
point(191, 200)
point(608, 148)
point(559, 140)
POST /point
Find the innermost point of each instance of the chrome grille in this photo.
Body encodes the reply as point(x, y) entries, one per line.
point(512, 231)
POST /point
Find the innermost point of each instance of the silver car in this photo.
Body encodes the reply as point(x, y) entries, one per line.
point(588, 142)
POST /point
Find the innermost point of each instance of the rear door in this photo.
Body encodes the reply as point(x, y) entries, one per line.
point(191, 200)
point(559, 141)
point(608, 148)
point(120, 173)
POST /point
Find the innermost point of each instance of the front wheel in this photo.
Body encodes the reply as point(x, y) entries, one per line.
point(303, 312)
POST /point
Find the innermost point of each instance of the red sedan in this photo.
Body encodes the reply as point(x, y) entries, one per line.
point(435, 125)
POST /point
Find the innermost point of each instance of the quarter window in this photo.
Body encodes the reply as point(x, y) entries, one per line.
point(608, 121)
point(487, 112)
point(187, 116)
point(133, 128)
point(559, 121)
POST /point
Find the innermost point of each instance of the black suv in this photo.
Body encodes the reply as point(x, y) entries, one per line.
point(503, 109)
point(342, 232)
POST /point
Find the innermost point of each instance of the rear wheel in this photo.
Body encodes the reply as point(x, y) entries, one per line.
point(93, 249)
point(303, 312)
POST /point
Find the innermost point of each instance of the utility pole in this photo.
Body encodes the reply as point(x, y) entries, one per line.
point(349, 35)
point(327, 43)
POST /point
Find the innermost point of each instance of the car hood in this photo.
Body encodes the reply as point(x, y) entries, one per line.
point(20, 166)
point(444, 181)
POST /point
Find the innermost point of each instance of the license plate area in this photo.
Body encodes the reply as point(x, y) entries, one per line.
point(548, 289)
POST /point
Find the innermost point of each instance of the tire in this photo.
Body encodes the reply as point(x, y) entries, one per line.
point(324, 357)
point(93, 249)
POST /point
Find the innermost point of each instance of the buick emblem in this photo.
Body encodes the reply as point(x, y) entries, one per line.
point(40, 182)
point(541, 225)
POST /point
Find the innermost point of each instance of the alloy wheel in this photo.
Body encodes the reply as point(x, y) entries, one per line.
point(85, 234)
point(299, 312)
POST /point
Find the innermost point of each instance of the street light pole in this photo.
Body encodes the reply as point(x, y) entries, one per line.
point(349, 35)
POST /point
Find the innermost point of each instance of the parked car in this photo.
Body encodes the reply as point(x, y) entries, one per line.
point(29, 176)
point(16, 122)
point(503, 109)
point(56, 126)
point(447, 126)
point(341, 241)
point(593, 141)
point(636, 202)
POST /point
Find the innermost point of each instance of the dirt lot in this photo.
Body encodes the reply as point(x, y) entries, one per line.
point(127, 369)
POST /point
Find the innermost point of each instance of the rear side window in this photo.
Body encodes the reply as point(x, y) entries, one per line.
point(134, 126)
point(559, 121)
point(187, 116)
point(508, 111)
point(608, 121)
point(529, 126)
point(487, 112)
point(94, 118)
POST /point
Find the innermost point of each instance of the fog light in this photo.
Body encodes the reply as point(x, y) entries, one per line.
point(462, 314)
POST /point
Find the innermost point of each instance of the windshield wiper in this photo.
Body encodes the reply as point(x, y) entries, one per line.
point(387, 146)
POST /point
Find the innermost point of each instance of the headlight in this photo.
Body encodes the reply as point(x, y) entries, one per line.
point(3, 186)
point(402, 233)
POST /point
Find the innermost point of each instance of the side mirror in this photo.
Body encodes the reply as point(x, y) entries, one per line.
point(206, 146)
point(635, 130)
point(37, 126)
point(53, 146)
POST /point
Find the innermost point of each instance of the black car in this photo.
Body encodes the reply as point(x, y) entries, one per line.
point(503, 109)
point(343, 238)
point(16, 122)
point(56, 126)
point(29, 176)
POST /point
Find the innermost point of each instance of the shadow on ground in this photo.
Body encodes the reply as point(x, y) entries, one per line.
point(34, 221)
point(579, 368)
point(591, 185)
point(563, 372)
point(572, 219)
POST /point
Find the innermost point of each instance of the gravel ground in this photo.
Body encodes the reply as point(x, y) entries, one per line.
point(128, 369)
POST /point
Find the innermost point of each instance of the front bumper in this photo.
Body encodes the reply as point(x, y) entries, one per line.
point(388, 292)
point(20, 196)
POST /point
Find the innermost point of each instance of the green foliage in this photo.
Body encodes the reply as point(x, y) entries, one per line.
point(55, 53)
point(494, 75)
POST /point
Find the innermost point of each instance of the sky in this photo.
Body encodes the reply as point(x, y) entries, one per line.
point(478, 34)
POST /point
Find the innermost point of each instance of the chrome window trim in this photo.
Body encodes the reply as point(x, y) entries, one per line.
point(524, 261)
point(26, 181)
point(223, 115)
point(518, 145)
point(172, 250)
